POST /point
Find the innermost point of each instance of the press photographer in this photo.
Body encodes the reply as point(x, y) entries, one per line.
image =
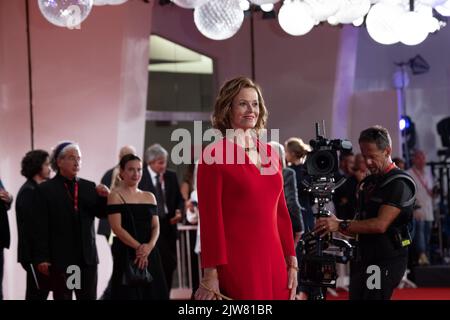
point(384, 210)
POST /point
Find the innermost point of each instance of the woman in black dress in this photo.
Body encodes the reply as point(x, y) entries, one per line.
point(136, 235)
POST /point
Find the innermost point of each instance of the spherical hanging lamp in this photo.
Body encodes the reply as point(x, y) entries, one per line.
point(260, 2)
point(116, 2)
point(323, 9)
point(100, 2)
point(189, 4)
point(65, 13)
point(431, 3)
point(219, 19)
point(412, 28)
point(444, 9)
point(351, 10)
point(381, 22)
point(295, 17)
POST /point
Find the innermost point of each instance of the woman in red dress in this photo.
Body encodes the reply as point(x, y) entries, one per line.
point(247, 246)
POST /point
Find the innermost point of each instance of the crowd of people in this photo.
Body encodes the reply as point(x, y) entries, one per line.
point(253, 212)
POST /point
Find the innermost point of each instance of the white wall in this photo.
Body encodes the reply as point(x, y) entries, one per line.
point(89, 85)
point(15, 137)
point(297, 75)
point(427, 97)
point(370, 108)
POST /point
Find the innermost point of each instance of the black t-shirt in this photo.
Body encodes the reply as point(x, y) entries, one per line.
point(376, 247)
point(344, 199)
point(396, 193)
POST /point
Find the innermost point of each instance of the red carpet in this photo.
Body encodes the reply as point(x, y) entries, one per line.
point(407, 294)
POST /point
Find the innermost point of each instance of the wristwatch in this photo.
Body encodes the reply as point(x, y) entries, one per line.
point(343, 225)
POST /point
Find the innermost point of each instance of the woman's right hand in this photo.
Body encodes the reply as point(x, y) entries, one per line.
point(208, 289)
point(5, 196)
point(142, 262)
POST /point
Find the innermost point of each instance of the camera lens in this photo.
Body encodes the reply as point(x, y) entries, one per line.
point(323, 163)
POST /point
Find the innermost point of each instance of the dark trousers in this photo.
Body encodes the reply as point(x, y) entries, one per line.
point(107, 293)
point(88, 288)
point(194, 260)
point(312, 292)
point(1, 273)
point(167, 246)
point(392, 272)
point(32, 291)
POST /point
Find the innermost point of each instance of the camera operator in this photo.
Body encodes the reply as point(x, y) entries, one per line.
point(385, 203)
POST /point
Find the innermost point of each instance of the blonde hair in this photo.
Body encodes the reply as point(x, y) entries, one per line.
point(222, 108)
point(297, 147)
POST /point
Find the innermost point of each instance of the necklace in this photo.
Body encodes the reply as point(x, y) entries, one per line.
point(248, 149)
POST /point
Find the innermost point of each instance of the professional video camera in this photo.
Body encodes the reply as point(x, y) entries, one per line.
point(320, 255)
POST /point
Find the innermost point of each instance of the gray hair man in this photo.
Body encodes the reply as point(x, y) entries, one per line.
point(163, 183)
point(64, 236)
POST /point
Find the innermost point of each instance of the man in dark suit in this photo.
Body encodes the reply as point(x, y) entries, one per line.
point(36, 168)
point(164, 185)
point(5, 203)
point(65, 237)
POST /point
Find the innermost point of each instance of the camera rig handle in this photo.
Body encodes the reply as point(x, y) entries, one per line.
point(345, 247)
point(322, 190)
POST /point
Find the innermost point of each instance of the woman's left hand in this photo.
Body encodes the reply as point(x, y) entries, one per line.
point(292, 282)
point(144, 250)
point(292, 266)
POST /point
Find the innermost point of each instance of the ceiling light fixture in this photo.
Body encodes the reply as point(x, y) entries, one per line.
point(387, 21)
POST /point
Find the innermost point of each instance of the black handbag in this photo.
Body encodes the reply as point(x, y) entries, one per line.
point(132, 274)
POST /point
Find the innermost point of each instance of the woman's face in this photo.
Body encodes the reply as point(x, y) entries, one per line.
point(245, 109)
point(45, 169)
point(289, 156)
point(132, 173)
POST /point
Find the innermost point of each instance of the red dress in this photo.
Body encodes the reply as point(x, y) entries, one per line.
point(245, 225)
